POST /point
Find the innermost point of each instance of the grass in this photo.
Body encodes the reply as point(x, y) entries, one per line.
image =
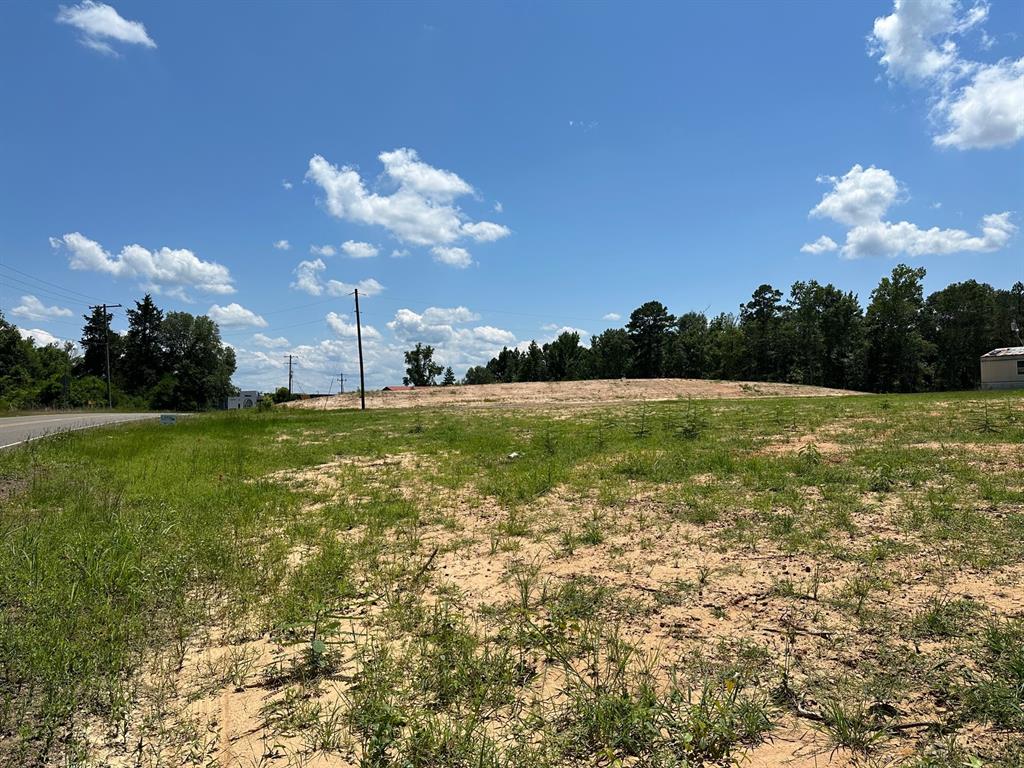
point(513, 587)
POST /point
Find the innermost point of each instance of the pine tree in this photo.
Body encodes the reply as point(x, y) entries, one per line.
point(144, 358)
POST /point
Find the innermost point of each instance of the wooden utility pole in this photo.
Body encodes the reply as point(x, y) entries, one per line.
point(359, 340)
point(106, 344)
point(289, 376)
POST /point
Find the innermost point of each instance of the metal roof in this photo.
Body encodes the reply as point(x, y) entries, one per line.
point(1006, 352)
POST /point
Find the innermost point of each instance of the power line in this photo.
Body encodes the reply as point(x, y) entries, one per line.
point(47, 282)
point(45, 292)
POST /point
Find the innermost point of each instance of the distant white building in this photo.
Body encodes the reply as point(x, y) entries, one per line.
point(245, 399)
point(1003, 368)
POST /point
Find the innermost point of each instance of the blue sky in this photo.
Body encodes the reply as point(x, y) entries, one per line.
point(538, 166)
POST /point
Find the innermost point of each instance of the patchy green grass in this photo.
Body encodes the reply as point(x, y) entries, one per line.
point(670, 583)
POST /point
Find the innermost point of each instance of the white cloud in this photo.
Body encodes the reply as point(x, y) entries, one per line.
point(905, 40)
point(357, 250)
point(974, 105)
point(283, 245)
point(40, 337)
point(32, 308)
point(454, 345)
point(449, 316)
point(860, 200)
point(486, 231)
point(322, 250)
point(859, 197)
point(987, 113)
point(399, 253)
point(452, 256)
point(234, 315)
point(405, 167)
point(267, 342)
point(342, 327)
point(166, 270)
point(498, 207)
point(367, 287)
point(286, 184)
point(885, 238)
point(307, 277)
point(421, 211)
point(613, 316)
point(100, 24)
point(309, 280)
point(823, 244)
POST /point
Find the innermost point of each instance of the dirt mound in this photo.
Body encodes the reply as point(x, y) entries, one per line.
point(571, 393)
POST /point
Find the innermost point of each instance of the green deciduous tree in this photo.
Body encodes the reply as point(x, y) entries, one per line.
point(960, 323)
point(200, 364)
point(420, 368)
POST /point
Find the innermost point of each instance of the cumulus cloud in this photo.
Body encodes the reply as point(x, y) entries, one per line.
point(613, 316)
point(367, 287)
point(987, 113)
point(858, 197)
point(283, 245)
point(823, 244)
point(498, 207)
point(486, 231)
point(40, 337)
point(885, 238)
point(234, 315)
point(399, 253)
point(420, 211)
point(267, 342)
point(308, 279)
point(342, 327)
point(447, 330)
point(357, 250)
point(32, 308)
point(99, 25)
point(322, 250)
point(167, 270)
point(453, 256)
point(860, 200)
point(975, 105)
point(286, 184)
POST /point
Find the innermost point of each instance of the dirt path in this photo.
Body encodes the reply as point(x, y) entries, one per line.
point(573, 393)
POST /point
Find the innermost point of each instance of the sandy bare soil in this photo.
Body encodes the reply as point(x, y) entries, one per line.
point(574, 393)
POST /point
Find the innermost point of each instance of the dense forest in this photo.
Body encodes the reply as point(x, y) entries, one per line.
point(819, 334)
point(171, 360)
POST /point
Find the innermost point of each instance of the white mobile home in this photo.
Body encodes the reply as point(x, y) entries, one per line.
point(245, 399)
point(1003, 368)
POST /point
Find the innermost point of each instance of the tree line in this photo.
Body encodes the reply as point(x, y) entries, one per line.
point(818, 335)
point(172, 361)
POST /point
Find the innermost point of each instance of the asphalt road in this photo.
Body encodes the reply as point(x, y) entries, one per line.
point(21, 429)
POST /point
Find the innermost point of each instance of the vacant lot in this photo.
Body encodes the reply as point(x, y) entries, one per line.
point(798, 581)
point(569, 393)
